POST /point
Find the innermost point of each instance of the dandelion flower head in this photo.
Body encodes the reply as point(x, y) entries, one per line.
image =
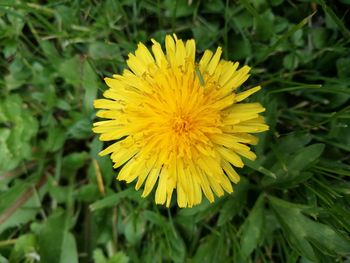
point(179, 125)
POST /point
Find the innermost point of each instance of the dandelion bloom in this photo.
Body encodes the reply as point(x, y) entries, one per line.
point(179, 122)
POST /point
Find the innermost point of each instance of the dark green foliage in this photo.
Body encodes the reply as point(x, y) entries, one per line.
point(293, 202)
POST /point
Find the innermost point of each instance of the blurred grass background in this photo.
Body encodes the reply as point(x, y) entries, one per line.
point(292, 204)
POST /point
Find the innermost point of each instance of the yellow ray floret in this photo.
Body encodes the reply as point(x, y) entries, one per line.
point(179, 126)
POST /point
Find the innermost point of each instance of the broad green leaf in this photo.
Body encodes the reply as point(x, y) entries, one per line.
point(305, 157)
point(211, 249)
point(252, 228)
point(87, 193)
point(23, 213)
point(319, 37)
point(264, 25)
point(292, 142)
point(304, 234)
point(335, 19)
point(71, 70)
point(78, 72)
point(22, 216)
point(175, 243)
point(241, 48)
point(100, 50)
point(99, 257)
point(18, 74)
point(17, 129)
point(69, 252)
point(119, 257)
point(214, 6)
point(234, 203)
point(276, 2)
point(8, 197)
point(25, 248)
point(289, 168)
point(55, 139)
point(134, 229)
point(284, 37)
point(207, 33)
point(243, 20)
point(56, 243)
point(178, 9)
point(90, 84)
point(343, 67)
point(111, 200)
point(72, 162)
point(291, 61)
point(80, 128)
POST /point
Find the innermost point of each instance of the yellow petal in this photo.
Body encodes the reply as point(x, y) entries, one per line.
point(243, 95)
point(151, 181)
point(232, 174)
point(230, 156)
point(158, 54)
point(107, 104)
point(214, 61)
point(161, 192)
point(203, 63)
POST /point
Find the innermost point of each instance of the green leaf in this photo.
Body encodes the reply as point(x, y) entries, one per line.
point(78, 72)
point(3, 260)
point(343, 67)
point(302, 232)
point(111, 200)
point(234, 203)
point(71, 70)
point(56, 243)
point(55, 139)
point(305, 157)
point(100, 50)
point(80, 128)
point(72, 162)
point(252, 228)
point(69, 252)
point(320, 37)
point(24, 213)
point(211, 249)
point(178, 9)
point(208, 33)
point(134, 229)
point(25, 248)
point(98, 256)
point(264, 25)
point(90, 84)
point(119, 257)
point(175, 243)
point(284, 37)
point(87, 193)
point(292, 142)
point(288, 169)
point(241, 48)
point(339, 23)
point(17, 128)
point(290, 61)
point(18, 74)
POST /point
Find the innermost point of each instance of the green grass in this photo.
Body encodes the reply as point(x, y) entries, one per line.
point(293, 202)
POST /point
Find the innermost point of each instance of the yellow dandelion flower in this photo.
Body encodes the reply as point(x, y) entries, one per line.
point(178, 122)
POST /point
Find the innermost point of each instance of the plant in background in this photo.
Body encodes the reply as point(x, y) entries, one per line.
point(61, 202)
point(179, 122)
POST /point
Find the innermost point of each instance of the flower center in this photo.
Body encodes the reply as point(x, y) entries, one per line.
point(181, 124)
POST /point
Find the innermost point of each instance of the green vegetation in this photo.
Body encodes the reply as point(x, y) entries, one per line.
point(292, 204)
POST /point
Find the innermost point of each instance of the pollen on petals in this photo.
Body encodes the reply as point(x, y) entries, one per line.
point(179, 126)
